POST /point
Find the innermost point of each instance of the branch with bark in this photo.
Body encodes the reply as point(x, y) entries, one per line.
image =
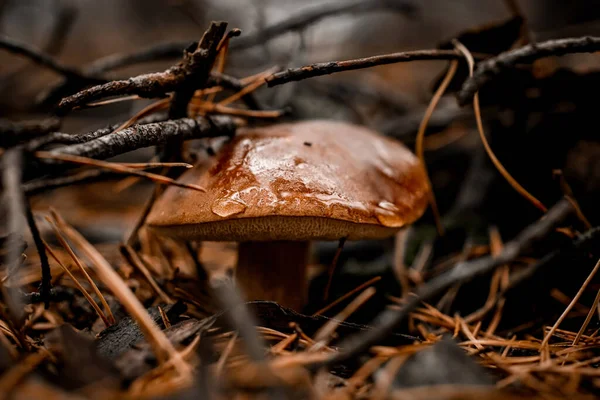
point(41, 58)
point(189, 75)
point(331, 67)
point(491, 68)
point(139, 136)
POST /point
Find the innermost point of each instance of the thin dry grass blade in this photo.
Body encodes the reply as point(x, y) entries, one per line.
point(246, 90)
point(324, 333)
point(81, 268)
point(162, 104)
point(344, 297)
point(571, 305)
point(139, 264)
point(85, 293)
point(117, 168)
point(419, 149)
point(162, 347)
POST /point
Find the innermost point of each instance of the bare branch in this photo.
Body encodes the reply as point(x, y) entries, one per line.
point(326, 68)
point(46, 284)
point(43, 59)
point(140, 136)
point(12, 133)
point(489, 69)
point(188, 75)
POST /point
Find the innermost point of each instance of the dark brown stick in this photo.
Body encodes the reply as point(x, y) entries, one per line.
point(326, 68)
point(187, 76)
point(489, 69)
point(43, 59)
point(46, 284)
point(198, 64)
point(12, 133)
point(140, 136)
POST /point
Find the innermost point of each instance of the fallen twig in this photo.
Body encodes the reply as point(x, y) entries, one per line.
point(488, 69)
point(326, 68)
point(12, 133)
point(46, 284)
point(190, 74)
point(41, 58)
point(197, 66)
point(139, 136)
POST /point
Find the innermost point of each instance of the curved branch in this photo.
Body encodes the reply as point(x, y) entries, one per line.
point(489, 69)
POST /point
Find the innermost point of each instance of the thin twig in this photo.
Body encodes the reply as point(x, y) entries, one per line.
point(189, 75)
point(140, 136)
point(43, 59)
point(199, 64)
point(489, 69)
point(315, 13)
point(326, 68)
point(12, 133)
point(46, 284)
point(332, 267)
point(295, 22)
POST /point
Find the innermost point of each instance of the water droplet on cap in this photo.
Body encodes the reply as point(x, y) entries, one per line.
point(389, 219)
point(386, 205)
point(228, 207)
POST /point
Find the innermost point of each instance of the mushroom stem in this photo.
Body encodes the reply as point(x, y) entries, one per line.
point(274, 271)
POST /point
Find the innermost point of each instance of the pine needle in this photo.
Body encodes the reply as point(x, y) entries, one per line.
point(419, 148)
point(512, 181)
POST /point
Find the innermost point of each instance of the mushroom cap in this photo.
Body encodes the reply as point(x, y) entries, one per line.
point(311, 180)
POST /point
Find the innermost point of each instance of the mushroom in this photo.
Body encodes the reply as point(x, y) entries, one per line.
point(274, 189)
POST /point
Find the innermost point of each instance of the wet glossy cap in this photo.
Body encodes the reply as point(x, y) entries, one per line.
point(314, 180)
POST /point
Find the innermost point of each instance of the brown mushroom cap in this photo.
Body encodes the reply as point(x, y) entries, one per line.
point(314, 180)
